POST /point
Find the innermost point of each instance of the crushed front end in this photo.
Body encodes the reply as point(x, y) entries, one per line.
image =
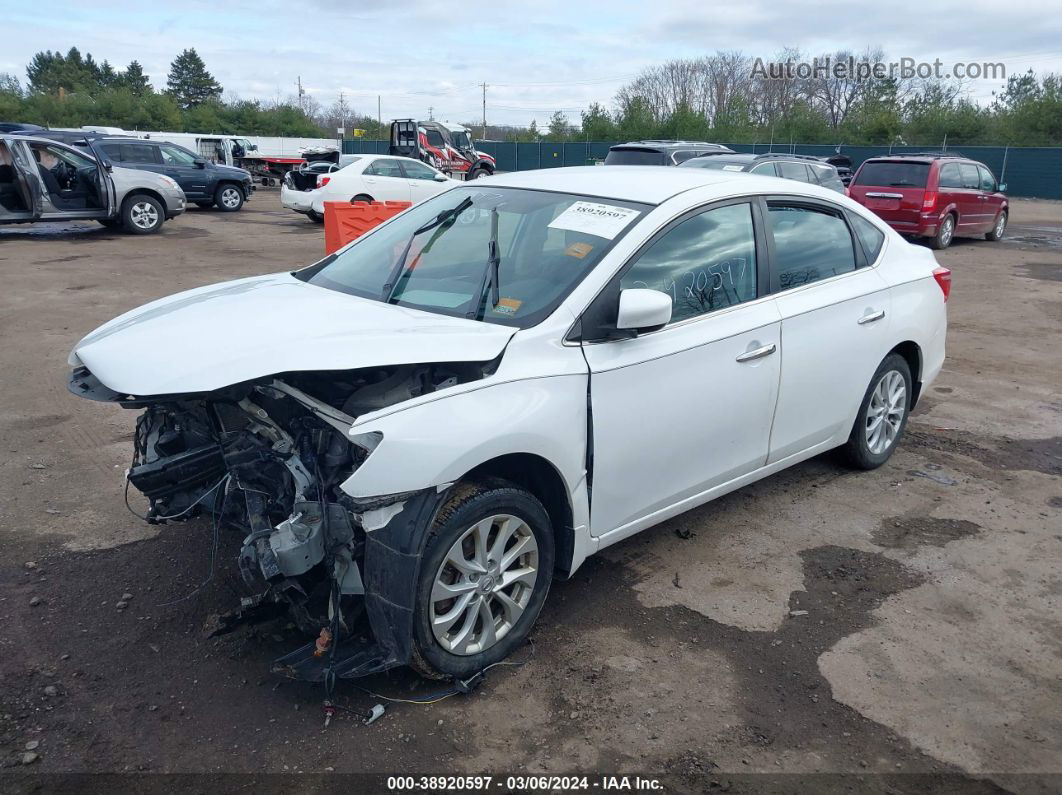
point(268, 458)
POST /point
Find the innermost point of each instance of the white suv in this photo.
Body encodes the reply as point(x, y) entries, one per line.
point(418, 432)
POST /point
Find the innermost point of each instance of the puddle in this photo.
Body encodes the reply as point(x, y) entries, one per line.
point(1042, 271)
point(900, 532)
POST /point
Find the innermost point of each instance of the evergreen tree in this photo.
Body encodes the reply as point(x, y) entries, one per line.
point(190, 83)
point(134, 80)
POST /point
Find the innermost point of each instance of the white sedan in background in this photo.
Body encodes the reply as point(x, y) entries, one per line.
point(368, 178)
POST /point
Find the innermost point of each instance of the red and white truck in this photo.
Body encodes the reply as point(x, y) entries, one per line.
point(445, 146)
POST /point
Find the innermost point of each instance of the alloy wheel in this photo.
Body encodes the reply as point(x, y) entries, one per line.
point(1001, 224)
point(144, 215)
point(230, 197)
point(484, 584)
point(885, 412)
point(947, 231)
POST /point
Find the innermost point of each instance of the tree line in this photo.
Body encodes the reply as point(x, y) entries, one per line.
point(720, 97)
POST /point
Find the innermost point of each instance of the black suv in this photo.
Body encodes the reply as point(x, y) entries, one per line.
point(205, 183)
point(803, 168)
point(659, 153)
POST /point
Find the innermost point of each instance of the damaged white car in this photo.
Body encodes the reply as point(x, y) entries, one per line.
point(417, 433)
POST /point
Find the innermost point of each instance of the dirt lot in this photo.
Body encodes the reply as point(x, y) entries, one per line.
point(895, 622)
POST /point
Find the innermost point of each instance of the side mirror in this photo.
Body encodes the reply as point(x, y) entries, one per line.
point(199, 162)
point(643, 310)
point(1002, 187)
point(441, 178)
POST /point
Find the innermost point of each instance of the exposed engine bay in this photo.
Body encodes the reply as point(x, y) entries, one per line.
point(267, 458)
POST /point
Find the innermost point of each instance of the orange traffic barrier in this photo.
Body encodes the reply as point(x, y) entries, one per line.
point(345, 221)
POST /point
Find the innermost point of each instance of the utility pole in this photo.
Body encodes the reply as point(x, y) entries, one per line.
point(298, 82)
point(430, 116)
point(484, 135)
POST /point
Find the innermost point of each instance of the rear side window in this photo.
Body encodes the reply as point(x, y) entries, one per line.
point(950, 176)
point(635, 157)
point(884, 173)
point(704, 263)
point(810, 244)
point(790, 170)
point(140, 153)
point(870, 237)
point(823, 174)
point(384, 168)
point(113, 152)
point(765, 170)
point(683, 156)
point(970, 178)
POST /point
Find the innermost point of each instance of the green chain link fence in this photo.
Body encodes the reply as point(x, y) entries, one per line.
point(1028, 171)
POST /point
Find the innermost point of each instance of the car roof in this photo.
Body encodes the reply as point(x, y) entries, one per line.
point(647, 184)
point(917, 157)
point(663, 146)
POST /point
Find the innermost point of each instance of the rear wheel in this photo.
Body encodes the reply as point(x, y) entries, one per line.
point(882, 415)
point(361, 197)
point(999, 227)
point(228, 198)
point(142, 215)
point(485, 573)
point(945, 233)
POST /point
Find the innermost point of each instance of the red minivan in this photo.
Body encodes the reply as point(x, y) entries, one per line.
point(938, 196)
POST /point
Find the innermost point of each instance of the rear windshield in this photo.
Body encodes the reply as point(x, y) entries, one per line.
point(635, 157)
point(893, 175)
point(714, 162)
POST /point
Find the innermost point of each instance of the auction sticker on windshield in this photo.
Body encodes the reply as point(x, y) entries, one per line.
point(600, 220)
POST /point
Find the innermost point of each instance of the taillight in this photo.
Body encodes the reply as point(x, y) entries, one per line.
point(929, 200)
point(322, 181)
point(943, 277)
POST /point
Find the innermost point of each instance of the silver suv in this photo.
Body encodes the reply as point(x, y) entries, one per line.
point(43, 180)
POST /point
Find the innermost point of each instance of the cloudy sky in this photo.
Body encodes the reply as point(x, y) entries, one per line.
point(536, 57)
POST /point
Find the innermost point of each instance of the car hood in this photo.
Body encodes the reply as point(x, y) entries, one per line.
point(216, 336)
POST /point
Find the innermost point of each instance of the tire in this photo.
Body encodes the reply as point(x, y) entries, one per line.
point(865, 449)
point(142, 215)
point(316, 217)
point(464, 647)
point(206, 205)
point(477, 173)
point(945, 233)
point(362, 197)
point(999, 228)
point(110, 223)
point(228, 198)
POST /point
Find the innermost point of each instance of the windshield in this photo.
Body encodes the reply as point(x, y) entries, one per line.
point(635, 157)
point(546, 244)
point(893, 174)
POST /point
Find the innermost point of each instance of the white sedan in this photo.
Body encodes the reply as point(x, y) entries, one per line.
point(416, 434)
point(367, 178)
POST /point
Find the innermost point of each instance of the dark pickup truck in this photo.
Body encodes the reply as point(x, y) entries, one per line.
point(205, 183)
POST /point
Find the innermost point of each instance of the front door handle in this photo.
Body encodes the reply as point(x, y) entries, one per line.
point(870, 318)
point(757, 353)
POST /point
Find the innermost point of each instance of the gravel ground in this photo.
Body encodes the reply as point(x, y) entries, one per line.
point(900, 626)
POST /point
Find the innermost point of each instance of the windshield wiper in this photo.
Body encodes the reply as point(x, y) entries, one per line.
point(490, 273)
point(395, 276)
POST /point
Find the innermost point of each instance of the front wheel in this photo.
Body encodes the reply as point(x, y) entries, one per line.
point(228, 198)
point(477, 173)
point(314, 216)
point(485, 573)
point(998, 229)
point(142, 215)
point(882, 415)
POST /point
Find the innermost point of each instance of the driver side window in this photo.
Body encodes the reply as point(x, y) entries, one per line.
point(704, 263)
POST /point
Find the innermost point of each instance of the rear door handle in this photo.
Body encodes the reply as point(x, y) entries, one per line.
point(757, 353)
point(870, 318)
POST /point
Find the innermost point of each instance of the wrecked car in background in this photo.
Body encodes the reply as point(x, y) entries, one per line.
point(415, 434)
